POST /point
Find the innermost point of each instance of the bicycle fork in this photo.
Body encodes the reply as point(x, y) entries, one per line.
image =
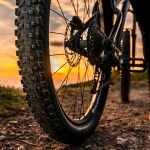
point(113, 44)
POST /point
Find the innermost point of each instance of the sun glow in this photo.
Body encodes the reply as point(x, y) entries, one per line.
point(8, 61)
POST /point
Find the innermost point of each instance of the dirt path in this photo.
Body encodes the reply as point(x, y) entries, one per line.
point(122, 127)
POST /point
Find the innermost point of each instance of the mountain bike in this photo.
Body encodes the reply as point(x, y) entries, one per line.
point(66, 52)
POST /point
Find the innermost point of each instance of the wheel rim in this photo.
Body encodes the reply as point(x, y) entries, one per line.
point(72, 74)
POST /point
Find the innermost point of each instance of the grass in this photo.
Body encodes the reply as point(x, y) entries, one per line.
point(137, 80)
point(85, 84)
point(12, 102)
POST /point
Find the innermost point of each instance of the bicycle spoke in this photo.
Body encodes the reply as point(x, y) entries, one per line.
point(78, 81)
point(56, 54)
point(86, 66)
point(77, 7)
point(60, 68)
point(70, 69)
point(72, 2)
point(62, 11)
point(74, 100)
point(88, 80)
point(57, 33)
point(87, 10)
point(65, 90)
point(81, 89)
point(60, 15)
point(77, 92)
point(82, 94)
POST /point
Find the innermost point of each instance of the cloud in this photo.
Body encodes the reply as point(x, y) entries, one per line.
point(56, 43)
point(7, 17)
point(13, 81)
point(8, 60)
point(7, 4)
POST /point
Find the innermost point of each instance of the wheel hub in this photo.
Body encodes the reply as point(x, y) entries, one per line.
point(90, 46)
point(73, 40)
point(96, 43)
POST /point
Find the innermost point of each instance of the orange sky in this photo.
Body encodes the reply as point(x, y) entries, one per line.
point(8, 61)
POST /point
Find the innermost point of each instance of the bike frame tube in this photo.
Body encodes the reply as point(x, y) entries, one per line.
point(117, 30)
point(116, 33)
point(124, 10)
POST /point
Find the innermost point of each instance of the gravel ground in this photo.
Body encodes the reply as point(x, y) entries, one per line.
point(122, 127)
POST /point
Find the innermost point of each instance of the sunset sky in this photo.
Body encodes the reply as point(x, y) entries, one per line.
point(8, 61)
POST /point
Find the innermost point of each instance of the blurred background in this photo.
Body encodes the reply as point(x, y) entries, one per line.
point(18, 129)
point(8, 61)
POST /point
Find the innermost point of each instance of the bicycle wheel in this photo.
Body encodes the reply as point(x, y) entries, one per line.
point(125, 73)
point(57, 80)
